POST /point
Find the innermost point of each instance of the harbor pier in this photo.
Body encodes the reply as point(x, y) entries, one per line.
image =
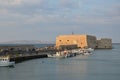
point(22, 53)
point(19, 59)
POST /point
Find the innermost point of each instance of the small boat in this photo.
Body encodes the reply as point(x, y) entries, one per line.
point(62, 54)
point(5, 61)
point(51, 55)
point(87, 53)
point(90, 49)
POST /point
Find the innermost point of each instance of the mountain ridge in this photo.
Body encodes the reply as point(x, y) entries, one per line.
point(28, 42)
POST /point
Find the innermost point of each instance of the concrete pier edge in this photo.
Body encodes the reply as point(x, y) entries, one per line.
point(25, 58)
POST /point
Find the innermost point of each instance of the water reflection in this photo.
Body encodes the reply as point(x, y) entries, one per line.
point(72, 68)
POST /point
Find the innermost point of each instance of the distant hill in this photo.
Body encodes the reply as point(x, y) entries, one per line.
point(28, 42)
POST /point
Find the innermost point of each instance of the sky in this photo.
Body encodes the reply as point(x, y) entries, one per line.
point(46, 19)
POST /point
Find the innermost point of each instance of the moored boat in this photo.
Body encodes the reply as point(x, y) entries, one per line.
point(5, 61)
point(62, 54)
point(87, 51)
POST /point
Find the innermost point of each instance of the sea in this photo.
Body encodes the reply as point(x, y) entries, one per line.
point(103, 64)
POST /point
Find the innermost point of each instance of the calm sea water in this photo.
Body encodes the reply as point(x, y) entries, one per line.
point(102, 65)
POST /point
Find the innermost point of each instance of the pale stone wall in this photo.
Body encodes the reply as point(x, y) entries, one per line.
point(82, 41)
point(104, 43)
point(92, 41)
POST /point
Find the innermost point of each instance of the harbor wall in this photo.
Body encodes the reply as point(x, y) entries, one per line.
point(104, 43)
point(25, 58)
point(21, 53)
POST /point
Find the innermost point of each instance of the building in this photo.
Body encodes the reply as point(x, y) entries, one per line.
point(104, 43)
point(16, 47)
point(81, 41)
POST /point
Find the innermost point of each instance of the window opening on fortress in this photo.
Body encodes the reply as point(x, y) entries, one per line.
point(60, 40)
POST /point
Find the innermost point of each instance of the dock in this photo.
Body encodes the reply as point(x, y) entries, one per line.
point(20, 53)
point(19, 59)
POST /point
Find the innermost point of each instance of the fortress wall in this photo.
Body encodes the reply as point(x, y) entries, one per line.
point(91, 40)
point(104, 43)
point(83, 41)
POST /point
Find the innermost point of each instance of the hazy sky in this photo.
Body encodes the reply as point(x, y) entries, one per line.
point(46, 19)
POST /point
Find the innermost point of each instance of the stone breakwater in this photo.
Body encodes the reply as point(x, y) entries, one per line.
point(21, 53)
point(19, 59)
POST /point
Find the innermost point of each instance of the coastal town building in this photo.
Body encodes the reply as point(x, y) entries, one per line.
point(82, 41)
point(16, 47)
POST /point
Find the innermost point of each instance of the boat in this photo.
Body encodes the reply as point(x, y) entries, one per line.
point(90, 49)
point(62, 54)
point(71, 53)
point(86, 53)
point(87, 49)
point(51, 55)
point(5, 61)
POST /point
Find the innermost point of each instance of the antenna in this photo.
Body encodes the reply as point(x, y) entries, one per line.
point(72, 33)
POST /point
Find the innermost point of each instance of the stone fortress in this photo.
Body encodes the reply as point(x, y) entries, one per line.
point(82, 41)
